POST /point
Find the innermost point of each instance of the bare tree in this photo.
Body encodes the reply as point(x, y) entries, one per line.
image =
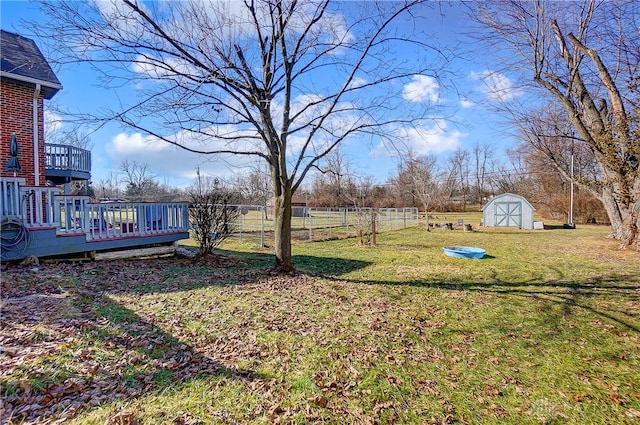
point(420, 175)
point(139, 179)
point(285, 81)
point(458, 177)
point(211, 213)
point(514, 176)
point(482, 169)
point(584, 56)
point(255, 186)
point(360, 191)
point(336, 179)
point(71, 134)
point(108, 188)
point(550, 189)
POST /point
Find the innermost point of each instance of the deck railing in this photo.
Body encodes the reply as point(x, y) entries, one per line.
point(38, 206)
point(65, 157)
point(10, 197)
point(118, 220)
point(44, 207)
point(33, 205)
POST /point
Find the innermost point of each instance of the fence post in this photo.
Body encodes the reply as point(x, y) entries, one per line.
point(241, 221)
point(373, 227)
point(346, 221)
point(262, 227)
point(310, 226)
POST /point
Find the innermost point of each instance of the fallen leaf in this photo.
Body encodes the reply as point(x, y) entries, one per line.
point(122, 418)
point(320, 401)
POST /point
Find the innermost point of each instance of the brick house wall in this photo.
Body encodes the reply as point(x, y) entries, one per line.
point(16, 116)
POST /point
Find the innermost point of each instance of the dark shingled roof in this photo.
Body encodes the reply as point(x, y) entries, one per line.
point(22, 62)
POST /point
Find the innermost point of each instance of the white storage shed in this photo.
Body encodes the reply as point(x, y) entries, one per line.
point(508, 210)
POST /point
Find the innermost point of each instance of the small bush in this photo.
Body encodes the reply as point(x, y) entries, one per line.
point(211, 213)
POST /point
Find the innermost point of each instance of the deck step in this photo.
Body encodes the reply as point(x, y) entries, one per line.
point(155, 251)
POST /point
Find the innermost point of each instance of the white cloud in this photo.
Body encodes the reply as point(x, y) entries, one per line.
point(422, 140)
point(174, 164)
point(128, 144)
point(336, 27)
point(167, 160)
point(466, 103)
point(496, 86)
point(422, 88)
point(357, 82)
point(52, 121)
point(120, 16)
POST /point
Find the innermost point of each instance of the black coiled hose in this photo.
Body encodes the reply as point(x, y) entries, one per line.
point(14, 238)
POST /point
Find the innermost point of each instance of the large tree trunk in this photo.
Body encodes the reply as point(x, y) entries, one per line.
point(627, 228)
point(624, 215)
point(629, 232)
point(282, 233)
point(613, 212)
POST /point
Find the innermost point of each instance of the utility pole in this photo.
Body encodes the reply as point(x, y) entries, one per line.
point(571, 189)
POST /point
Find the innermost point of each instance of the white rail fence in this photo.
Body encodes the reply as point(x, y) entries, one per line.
point(10, 197)
point(42, 207)
point(255, 223)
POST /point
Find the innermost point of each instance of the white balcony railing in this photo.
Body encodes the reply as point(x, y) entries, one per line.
point(33, 205)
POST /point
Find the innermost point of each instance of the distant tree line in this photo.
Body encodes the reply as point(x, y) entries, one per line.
point(463, 181)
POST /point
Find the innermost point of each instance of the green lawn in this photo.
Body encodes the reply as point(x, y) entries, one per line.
point(545, 329)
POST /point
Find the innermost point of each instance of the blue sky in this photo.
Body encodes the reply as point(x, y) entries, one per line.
point(472, 86)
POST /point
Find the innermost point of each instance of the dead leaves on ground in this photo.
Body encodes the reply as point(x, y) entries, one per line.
point(78, 336)
point(73, 339)
point(60, 354)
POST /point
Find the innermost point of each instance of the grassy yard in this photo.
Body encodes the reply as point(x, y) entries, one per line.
point(544, 329)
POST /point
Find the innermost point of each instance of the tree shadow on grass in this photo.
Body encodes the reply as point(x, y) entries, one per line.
point(224, 268)
point(328, 265)
point(570, 295)
point(310, 264)
point(92, 350)
point(74, 350)
point(109, 352)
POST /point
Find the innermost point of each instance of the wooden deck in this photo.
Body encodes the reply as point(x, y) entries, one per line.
point(47, 243)
point(38, 221)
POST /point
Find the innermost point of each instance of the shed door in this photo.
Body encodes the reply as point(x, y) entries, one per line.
point(509, 214)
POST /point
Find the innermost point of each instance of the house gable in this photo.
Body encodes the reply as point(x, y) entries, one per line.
point(26, 79)
point(23, 63)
